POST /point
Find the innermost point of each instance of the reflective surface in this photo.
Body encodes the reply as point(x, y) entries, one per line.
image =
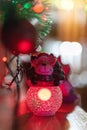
point(32, 122)
point(69, 117)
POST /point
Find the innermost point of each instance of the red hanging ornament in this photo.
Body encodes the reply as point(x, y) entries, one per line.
point(19, 36)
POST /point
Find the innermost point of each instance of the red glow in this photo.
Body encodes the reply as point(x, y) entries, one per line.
point(44, 106)
point(4, 59)
point(22, 108)
point(25, 46)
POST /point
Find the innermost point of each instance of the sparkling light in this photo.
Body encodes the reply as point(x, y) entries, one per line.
point(44, 94)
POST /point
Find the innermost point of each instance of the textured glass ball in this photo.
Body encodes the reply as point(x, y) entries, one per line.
point(44, 101)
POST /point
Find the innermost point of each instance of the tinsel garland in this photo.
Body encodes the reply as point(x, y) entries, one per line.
point(36, 11)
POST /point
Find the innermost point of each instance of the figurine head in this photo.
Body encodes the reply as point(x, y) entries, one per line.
point(44, 64)
point(44, 67)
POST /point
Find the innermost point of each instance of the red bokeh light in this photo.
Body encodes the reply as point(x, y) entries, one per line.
point(4, 59)
point(19, 36)
point(25, 46)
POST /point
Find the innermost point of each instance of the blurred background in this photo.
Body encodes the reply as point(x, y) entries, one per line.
point(67, 39)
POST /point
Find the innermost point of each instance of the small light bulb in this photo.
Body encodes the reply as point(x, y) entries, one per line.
point(44, 94)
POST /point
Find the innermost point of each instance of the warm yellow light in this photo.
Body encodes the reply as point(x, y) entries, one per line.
point(64, 4)
point(67, 4)
point(44, 94)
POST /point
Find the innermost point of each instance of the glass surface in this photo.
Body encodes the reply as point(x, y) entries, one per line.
point(68, 117)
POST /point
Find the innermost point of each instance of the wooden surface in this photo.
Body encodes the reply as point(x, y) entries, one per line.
point(83, 94)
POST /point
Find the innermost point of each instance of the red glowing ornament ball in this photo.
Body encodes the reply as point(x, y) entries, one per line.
point(19, 36)
point(44, 101)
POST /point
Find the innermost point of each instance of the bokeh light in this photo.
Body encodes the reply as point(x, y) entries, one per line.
point(4, 59)
point(66, 4)
point(70, 48)
point(25, 46)
point(71, 53)
point(51, 46)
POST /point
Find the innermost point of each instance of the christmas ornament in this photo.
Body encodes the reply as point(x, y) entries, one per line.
point(19, 36)
point(44, 96)
point(44, 100)
point(27, 22)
